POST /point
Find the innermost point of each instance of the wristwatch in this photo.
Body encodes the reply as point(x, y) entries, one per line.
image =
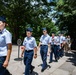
point(35, 54)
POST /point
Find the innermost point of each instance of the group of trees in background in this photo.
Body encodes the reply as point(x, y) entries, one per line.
point(37, 14)
point(66, 18)
point(27, 13)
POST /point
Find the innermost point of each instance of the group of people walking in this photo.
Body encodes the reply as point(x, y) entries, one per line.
point(29, 48)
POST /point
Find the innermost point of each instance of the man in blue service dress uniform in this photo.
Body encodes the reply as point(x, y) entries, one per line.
point(5, 46)
point(44, 41)
point(30, 49)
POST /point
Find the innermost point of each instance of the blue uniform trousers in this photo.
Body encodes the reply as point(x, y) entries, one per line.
point(43, 52)
point(2, 69)
point(58, 51)
point(61, 51)
point(28, 57)
point(53, 50)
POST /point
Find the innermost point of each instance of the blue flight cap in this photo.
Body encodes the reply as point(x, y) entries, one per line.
point(29, 29)
point(3, 18)
point(44, 29)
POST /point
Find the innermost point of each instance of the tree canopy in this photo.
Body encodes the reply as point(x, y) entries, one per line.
point(27, 13)
point(66, 16)
point(37, 14)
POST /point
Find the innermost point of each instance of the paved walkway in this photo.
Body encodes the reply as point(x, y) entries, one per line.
point(65, 66)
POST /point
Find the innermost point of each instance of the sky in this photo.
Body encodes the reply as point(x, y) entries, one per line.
point(49, 1)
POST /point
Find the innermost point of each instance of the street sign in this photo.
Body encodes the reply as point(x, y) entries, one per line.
point(19, 42)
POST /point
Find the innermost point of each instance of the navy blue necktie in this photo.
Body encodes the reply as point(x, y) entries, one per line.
point(0, 32)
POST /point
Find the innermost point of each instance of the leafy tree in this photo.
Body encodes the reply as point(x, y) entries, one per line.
point(26, 13)
point(66, 17)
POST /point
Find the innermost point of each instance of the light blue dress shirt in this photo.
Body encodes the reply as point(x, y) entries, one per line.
point(45, 39)
point(29, 43)
point(5, 38)
point(58, 40)
point(62, 39)
point(54, 40)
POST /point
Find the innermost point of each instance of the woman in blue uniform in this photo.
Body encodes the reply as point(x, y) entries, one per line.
point(5, 46)
point(29, 50)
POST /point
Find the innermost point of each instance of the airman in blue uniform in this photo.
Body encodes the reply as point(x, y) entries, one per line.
point(30, 50)
point(54, 48)
point(5, 46)
point(62, 43)
point(44, 41)
point(58, 46)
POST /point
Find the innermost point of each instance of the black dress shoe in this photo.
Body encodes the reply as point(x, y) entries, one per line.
point(42, 70)
point(50, 62)
point(32, 68)
point(56, 60)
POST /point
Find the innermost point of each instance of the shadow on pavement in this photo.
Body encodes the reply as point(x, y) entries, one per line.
point(72, 58)
point(34, 73)
point(18, 59)
point(48, 66)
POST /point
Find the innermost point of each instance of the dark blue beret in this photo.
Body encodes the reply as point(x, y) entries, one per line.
point(29, 29)
point(3, 18)
point(44, 29)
